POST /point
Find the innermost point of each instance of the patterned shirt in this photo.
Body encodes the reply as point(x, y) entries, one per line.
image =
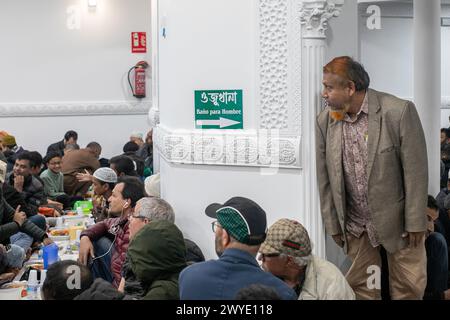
point(354, 154)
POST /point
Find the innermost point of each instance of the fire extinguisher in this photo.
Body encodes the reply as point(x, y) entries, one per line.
point(139, 79)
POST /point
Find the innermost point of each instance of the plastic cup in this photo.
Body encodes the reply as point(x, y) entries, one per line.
point(78, 235)
point(50, 255)
point(59, 222)
point(32, 278)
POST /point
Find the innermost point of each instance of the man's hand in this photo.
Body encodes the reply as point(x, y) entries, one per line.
point(19, 216)
point(47, 241)
point(7, 276)
point(121, 287)
point(57, 204)
point(339, 239)
point(84, 177)
point(2, 249)
point(18, 183)
point(86, 250)
point(414, 238)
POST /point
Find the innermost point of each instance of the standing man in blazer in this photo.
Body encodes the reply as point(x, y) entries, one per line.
point(373, 181)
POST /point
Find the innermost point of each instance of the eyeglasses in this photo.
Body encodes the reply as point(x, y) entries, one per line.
point(136, 216)
point(215, 225)
point(269, 255)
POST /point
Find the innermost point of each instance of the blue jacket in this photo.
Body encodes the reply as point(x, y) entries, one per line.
point(223, 278)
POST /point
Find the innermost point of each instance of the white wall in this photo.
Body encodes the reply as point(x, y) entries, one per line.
point(204, 49)
point(44, 62)
point(342, 35)
point(387, 54)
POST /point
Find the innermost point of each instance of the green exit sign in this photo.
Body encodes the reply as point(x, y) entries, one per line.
point(218, 109)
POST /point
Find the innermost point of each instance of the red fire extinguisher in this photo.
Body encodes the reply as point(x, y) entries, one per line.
point(139, 79)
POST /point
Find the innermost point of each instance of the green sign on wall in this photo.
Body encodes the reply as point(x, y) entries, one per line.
point(218, 109)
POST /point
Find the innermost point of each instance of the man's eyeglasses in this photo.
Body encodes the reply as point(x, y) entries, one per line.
point(269, 255)
point(215, 225)
point(136, 216)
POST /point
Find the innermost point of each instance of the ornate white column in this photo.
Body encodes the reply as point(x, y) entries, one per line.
point(314, 17)
point(427, 80)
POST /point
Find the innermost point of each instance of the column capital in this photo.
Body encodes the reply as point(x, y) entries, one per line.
point(315, 14)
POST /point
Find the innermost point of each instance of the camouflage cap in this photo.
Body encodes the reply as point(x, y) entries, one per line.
point(288, 237)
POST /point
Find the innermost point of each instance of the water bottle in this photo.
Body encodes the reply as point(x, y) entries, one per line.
point(50, 255)
point(32, 286)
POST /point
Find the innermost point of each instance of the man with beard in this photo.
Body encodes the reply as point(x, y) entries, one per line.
point(373, 181)
point(239, 231)
point(104, 245)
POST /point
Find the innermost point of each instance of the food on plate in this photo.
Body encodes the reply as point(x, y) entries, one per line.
point(37, 266)
point(48, 212)
point(59, 232)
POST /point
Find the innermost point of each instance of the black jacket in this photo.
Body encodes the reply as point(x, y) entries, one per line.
point(8, 226)
point(33, 191)
point(57, 147)
point(101, 290)
point(14, 199)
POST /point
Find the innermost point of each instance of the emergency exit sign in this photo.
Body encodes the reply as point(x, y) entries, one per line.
point(218, 109)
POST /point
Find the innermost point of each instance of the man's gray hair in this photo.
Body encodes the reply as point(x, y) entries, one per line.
point(156, 209)
point(299, 261)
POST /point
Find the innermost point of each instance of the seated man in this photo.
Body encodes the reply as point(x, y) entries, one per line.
point(22, 179)
point(103, 180)
point(70, 137)
point(137, 138)
point(53, 181)
point(146, 210)
point(14, 221)
point(146, 153)
point(53, 178)
point(437, 257)
point(149, 210)
point(112, 234)
point(77, 161)
point(123, 166)
point(11, 261)
point(156, 256)
point(239, 231)
point(60, 282)
point(286, 253)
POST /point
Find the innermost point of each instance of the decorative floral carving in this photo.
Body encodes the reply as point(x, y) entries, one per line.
point(314, 16)
point(247, 148)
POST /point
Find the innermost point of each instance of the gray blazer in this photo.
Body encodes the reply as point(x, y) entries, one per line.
point(397, 170)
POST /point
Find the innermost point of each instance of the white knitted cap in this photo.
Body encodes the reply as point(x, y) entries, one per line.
point(106, 175)
point(152, 186)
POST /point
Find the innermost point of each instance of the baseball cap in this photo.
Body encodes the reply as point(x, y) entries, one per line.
point(242, 218)
point(106, 175)
point(288, 237)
